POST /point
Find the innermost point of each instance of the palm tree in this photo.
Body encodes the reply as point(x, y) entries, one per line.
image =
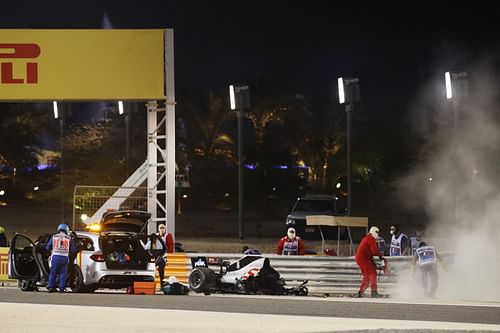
point(210, 147)
point(275, 109)
point(321, 147)
point(20, 138)
point(208, 138)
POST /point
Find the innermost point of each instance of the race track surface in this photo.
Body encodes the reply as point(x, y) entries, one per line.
point(237, 313)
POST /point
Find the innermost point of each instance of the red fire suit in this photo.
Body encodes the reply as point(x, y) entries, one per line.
point(366, 250)
point(289, 247)
point(169, 241)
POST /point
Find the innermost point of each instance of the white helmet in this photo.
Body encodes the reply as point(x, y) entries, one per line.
point(374, 231)
point(291, 233)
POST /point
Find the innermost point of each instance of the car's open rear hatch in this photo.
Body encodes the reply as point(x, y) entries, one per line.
point(123, 251)
point(131, 221)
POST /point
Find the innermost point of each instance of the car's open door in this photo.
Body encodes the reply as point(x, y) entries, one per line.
point(24, 259)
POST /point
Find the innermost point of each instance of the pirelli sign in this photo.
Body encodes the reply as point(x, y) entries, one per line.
point(81, 65)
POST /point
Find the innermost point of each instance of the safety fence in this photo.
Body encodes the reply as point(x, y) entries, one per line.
point(90, 202)
point(325, 274)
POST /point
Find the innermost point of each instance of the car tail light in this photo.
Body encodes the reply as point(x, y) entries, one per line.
point(99, 257)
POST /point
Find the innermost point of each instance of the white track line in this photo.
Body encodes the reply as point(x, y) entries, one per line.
point(18, 317)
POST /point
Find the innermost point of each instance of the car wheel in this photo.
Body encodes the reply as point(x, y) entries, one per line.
point(303, 291)
point(201, 279)
point(26, 285)
point(76, 282)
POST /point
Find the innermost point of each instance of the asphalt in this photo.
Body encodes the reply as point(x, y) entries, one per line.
point(118, 312)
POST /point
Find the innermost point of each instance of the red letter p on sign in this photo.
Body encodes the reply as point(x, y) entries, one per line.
point(19, 51)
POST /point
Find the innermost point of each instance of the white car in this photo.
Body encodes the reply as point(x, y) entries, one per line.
point(113, 258)
point(251, 274)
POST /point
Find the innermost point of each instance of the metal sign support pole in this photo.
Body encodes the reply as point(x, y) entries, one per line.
point(161, 149)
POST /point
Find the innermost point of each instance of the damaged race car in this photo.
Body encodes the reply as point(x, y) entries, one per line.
point(250, 274)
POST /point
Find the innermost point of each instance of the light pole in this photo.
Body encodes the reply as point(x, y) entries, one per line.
point(336, 197)
point(348, 95)
point(126, 111)
point(60, 116)
point(456, 85)
point(239, 98)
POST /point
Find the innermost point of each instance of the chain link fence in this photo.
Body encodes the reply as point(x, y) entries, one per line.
point(90, 202)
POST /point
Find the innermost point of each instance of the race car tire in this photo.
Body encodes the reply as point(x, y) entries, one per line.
point(26, 285)
point(201, 279)
point(303, 291)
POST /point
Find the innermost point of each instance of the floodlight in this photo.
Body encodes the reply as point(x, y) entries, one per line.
point(232, 97)
point(56, 110)
point(340, 82)
point(120, 107)
point(447, 80)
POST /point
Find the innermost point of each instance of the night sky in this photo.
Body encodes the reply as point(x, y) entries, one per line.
point(393, 49)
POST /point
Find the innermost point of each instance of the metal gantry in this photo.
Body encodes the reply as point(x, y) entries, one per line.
point(161, 149)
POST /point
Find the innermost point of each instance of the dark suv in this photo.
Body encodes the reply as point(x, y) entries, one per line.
point(312, 205)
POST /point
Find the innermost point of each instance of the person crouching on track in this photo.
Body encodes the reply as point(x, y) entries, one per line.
point(291, 244)
point(426, 258)
point(61, 245)
point(364, 258)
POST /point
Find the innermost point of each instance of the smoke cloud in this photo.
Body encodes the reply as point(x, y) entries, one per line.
point(457, 182)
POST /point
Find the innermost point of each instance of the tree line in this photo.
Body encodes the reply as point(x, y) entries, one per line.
point(293, 144)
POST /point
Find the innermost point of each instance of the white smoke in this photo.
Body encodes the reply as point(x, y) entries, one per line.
point(463, 198)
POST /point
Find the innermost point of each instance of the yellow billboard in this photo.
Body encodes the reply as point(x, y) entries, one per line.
point(81, 65)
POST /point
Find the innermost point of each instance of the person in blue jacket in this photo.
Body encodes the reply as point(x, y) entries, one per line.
point(426, 259)
point(250, 251)
point(380, 244)
point(61, 244)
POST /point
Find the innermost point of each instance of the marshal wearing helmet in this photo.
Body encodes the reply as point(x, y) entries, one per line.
point(291, 244)
point(61, 245)
point(364, 258)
